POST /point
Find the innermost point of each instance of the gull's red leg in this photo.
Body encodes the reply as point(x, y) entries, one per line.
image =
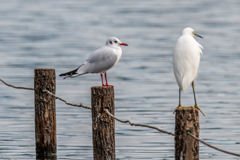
point(102, 79)
point(106, 80)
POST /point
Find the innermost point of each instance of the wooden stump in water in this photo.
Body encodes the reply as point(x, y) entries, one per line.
point(103, 126)
point(187, 119)
point(45, 112)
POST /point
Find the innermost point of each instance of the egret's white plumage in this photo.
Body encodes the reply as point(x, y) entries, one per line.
point(100, 61)
point(186, 59)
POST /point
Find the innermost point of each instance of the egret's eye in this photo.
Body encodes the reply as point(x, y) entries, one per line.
point(193, 32)
point(115, 41)
point(110, 42)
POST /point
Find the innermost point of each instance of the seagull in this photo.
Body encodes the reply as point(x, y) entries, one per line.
point(186, 59)
point(100, 61)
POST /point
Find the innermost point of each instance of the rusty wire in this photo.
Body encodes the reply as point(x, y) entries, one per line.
point(221, 150)
point(134, 124)
point(75, 105)
point(56, 97)
point(15, 86)
point(126, 121)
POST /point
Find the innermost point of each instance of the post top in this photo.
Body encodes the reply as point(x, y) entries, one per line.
point(98, 87)
point(186, 108)
point(44, 68)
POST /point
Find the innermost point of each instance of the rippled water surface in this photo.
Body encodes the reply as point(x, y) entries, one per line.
point(61, 35)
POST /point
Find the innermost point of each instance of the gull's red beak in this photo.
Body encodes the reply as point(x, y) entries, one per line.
point(124, 44)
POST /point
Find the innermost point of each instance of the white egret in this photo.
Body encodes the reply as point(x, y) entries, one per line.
point(100, 61)
point(186, 59)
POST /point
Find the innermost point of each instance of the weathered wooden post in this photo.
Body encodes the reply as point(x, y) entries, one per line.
point(103, 126)
point(186, 147)
point(45, 112)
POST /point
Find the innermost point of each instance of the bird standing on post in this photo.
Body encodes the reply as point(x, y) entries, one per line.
point(100, 61)
point(186, 59)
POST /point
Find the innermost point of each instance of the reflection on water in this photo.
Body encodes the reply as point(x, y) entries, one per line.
point(62, 34)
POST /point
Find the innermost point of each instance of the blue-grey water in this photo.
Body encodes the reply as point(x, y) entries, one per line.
point(61, 34)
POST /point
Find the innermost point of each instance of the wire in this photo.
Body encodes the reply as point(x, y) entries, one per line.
point(126, 121)
point(221, 150)
point(15, 86)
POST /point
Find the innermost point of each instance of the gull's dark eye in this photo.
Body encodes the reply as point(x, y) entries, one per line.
point(115, 41)
point(110, 42)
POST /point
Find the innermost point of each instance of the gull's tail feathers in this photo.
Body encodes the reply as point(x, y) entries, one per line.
point(69, 73)
point(73, 73)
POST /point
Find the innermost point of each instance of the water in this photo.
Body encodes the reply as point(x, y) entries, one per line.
point(61, 35)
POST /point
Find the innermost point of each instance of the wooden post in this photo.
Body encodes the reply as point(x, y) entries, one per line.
point(186, 147)
point(45, 112)
point(103, 126)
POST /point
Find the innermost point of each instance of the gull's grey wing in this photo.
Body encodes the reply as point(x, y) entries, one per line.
point(100, 60)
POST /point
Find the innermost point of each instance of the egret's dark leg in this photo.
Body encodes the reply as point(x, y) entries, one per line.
point(102, 79)
point(106, 80)
point(179, 105)
point(195, 106)
point(194, 93)
point(179, 97)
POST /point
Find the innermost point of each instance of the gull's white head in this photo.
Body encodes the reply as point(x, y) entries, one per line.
point(114, 42)
point(190, 31)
